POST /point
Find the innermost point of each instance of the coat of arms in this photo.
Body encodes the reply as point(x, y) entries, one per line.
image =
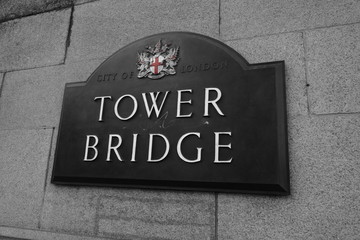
point(157, 62)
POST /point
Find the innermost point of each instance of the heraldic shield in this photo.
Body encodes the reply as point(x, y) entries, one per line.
point(157, 62)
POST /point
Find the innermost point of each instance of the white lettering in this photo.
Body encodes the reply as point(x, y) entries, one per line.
point(151, 147)
point(134, 109)
point(92, 146)
point(179, 102)
point(101, 106)
point(134, 147)
point(213, 102)
point(114, 148)
point(154, 105)
point(218, 145)
point(198, 159)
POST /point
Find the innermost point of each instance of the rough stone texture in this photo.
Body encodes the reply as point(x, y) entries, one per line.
point(23, 164)
point(34, 41)
point(325, 167)
point(33, 98)
point(333, 66)
point(127, 213)
point(10, 9)
point(174, 219)
point(103, 27)
point(11, 233)
point(135, 228)
point(287, 47)
point(248, 18)
point(8, 238)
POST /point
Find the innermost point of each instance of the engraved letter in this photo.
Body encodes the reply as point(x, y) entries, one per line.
point(134, 147)
point(154, 105)
point(198, 159)
point(114, 147)
point(213, 102)
point(151, 147)
point(217, 146)
point(179, 102)
point(101, 106)
point(117, 105)
point(93, 147)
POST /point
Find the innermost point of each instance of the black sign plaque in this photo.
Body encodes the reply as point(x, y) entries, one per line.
point(176, 110)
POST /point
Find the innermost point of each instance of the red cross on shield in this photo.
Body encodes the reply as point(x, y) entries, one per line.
point(156, 64)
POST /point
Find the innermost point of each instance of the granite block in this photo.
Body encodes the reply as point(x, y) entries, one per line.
point(156, 210)
point(69, 210)
point(350, 232)
point(333, 66)
point(100, 28)
point(324, 170)
point(33, 98)
point(157, 217)
point(23, 168)
point(249, 18)
point(287, 47)
point(34, 41)
point(137, 229)
point(10, 9)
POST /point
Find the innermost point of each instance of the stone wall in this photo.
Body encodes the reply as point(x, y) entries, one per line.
point(47, 43)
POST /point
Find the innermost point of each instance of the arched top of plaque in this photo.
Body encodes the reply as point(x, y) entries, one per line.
point(170, 55)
